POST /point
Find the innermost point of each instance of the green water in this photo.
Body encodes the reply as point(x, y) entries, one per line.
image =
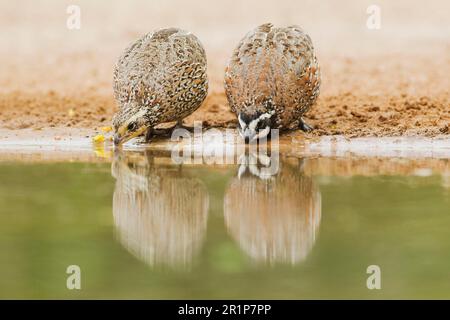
point(143, 228)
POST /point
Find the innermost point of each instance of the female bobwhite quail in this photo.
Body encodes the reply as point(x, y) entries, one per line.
point(160, 78)
point(272, 79)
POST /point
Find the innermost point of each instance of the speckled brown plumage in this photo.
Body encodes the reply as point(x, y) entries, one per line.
point(160, 78)
point(273, 70)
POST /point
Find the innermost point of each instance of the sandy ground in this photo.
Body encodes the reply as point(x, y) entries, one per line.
point(376, 83)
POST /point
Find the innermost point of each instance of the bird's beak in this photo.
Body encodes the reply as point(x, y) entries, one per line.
point(122, 135)
point(119, 135)
point(117, 139)
point(247, 134)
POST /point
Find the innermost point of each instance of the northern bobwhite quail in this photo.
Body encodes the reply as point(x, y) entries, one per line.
point(159, 78)
point(271, 80)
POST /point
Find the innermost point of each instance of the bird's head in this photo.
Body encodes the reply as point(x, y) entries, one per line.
point(128, 124)
point(253, 126)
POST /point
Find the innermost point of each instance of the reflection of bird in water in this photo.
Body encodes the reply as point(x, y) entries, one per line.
point(274, 220)
point(160, 213)
point(259, 164)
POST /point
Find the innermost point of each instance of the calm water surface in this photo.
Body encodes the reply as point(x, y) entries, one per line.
point(143, 227)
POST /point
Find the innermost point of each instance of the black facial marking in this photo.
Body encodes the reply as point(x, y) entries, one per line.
point(245, 117)
point(132, 126)
point(262, 124)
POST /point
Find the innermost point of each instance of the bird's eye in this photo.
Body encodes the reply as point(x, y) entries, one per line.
point(263, 123)
point(132, 126)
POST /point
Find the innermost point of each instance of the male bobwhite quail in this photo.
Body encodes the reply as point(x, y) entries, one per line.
point(272, 79)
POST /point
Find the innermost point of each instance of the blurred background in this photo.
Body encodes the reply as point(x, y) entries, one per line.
point(38, 51)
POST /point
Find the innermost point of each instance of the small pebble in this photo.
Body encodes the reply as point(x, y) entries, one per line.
point(106, 129)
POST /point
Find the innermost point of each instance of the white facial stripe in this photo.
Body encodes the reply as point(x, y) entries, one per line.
point(252, 125)
point(262, 133)
point(255, 122)
point(265, 116)
point(241, 122)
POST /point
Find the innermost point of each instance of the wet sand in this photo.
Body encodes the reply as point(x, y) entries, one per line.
point(65, 142)
point(343, 164)
point(375, 83)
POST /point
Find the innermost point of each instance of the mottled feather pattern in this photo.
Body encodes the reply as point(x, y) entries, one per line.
point(164, 71)
point(273, 69)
